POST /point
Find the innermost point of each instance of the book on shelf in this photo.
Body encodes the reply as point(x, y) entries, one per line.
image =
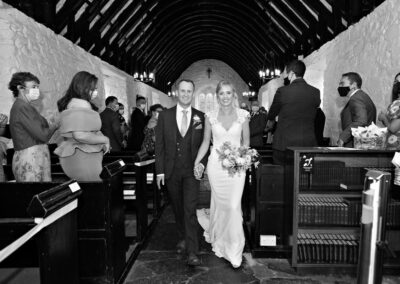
point(327, 248)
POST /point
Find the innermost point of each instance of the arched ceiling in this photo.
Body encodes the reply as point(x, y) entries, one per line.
point(167, 36)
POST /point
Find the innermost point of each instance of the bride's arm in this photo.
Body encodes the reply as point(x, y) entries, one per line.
point(206, 142)
point(246, 133)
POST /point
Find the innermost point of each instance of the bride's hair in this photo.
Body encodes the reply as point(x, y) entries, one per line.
point(227, 83)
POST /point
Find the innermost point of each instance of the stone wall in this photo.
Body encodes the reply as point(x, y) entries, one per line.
point(370, 48)
point(26, 45)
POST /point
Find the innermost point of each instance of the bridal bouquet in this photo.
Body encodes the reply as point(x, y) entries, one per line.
point(237, 159)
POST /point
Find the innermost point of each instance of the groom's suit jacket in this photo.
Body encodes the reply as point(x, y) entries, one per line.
point(166, 144)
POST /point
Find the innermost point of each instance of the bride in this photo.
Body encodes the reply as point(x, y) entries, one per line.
point(224, 229)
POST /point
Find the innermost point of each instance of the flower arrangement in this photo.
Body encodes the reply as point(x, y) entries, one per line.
point(237, 159)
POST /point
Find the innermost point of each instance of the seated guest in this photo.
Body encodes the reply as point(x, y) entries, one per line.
point(123, 124)
point(30, 131)
point(391, 119)
point(257, 124)
point(110, 125)
point(3, 147)
point(149, 131)
point(81, 152)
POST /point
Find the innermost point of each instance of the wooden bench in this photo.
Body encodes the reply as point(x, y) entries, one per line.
point(101, 232)
point(49, 240)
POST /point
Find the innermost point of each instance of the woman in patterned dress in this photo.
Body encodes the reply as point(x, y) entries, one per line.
point(391, 119)
point(30, 131)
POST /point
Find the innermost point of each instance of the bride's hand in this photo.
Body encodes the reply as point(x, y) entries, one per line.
point(198, 170)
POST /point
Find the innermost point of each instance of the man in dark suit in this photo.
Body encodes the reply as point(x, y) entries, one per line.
point(110, 125)
point(295, 105)
point(359, 111)
point(138, 123)
point(179, 134)
point(257, 124)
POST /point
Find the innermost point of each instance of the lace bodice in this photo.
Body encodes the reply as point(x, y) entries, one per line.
point(233, 134)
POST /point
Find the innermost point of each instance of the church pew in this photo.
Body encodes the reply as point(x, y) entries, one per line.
point(101, 233)
point(53, 243)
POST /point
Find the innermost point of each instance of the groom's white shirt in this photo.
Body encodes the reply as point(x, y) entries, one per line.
point(179, 115)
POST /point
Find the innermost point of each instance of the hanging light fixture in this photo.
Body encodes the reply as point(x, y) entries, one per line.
point(249, 94)
point(172, 93)
point(144, 77)
point(272, 71)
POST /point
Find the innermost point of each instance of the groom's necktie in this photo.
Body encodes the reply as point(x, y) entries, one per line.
point(184, 123)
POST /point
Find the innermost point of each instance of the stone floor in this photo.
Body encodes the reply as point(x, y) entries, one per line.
point(159, 263)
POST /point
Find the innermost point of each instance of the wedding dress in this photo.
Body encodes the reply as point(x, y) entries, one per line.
point(223, 226)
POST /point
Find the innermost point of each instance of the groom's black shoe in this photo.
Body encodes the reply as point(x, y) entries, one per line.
point(181, 247)
point(193, 260)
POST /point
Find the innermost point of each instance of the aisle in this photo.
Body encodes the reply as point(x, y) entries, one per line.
point(159, 263)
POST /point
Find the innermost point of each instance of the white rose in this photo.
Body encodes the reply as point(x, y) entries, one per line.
point(240, 161)
point(227, 152)
point(226, 163)
point(248, 160)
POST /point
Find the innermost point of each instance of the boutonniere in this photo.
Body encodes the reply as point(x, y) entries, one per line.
point(196, 119)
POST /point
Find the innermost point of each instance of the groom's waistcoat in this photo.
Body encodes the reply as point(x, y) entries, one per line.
point(183, 158)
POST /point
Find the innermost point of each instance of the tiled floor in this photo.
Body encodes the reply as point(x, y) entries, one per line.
point(159, 263)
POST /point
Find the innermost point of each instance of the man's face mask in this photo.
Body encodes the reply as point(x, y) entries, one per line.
point(343, 90)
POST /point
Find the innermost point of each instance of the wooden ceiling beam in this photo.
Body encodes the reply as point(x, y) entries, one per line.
point(236, 45)
point(136, 20)
point(161, 25)
point(68, 11)
point(233, 58)
point(206, 29)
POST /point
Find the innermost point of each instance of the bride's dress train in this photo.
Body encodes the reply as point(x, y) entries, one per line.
point(223, 226)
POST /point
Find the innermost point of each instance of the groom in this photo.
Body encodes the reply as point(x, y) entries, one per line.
point(179, 134)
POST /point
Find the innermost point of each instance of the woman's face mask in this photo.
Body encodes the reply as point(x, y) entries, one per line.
point(33, 94)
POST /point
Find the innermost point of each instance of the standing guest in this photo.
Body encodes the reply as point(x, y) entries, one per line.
point(29, 130)
point(319, 127)
point(391, 119)
point(359, 111)
point(258, 122)
point(295, 105)
point(3, 146)
point(245, 107)
point(123, 124)
point(138, 122)
point(179, 133)
point(263, 110)
point(110, 124)
point(149, 131)
point(81, 152)
point(396, 88)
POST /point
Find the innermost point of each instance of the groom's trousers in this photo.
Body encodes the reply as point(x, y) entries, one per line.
point(183, 191)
